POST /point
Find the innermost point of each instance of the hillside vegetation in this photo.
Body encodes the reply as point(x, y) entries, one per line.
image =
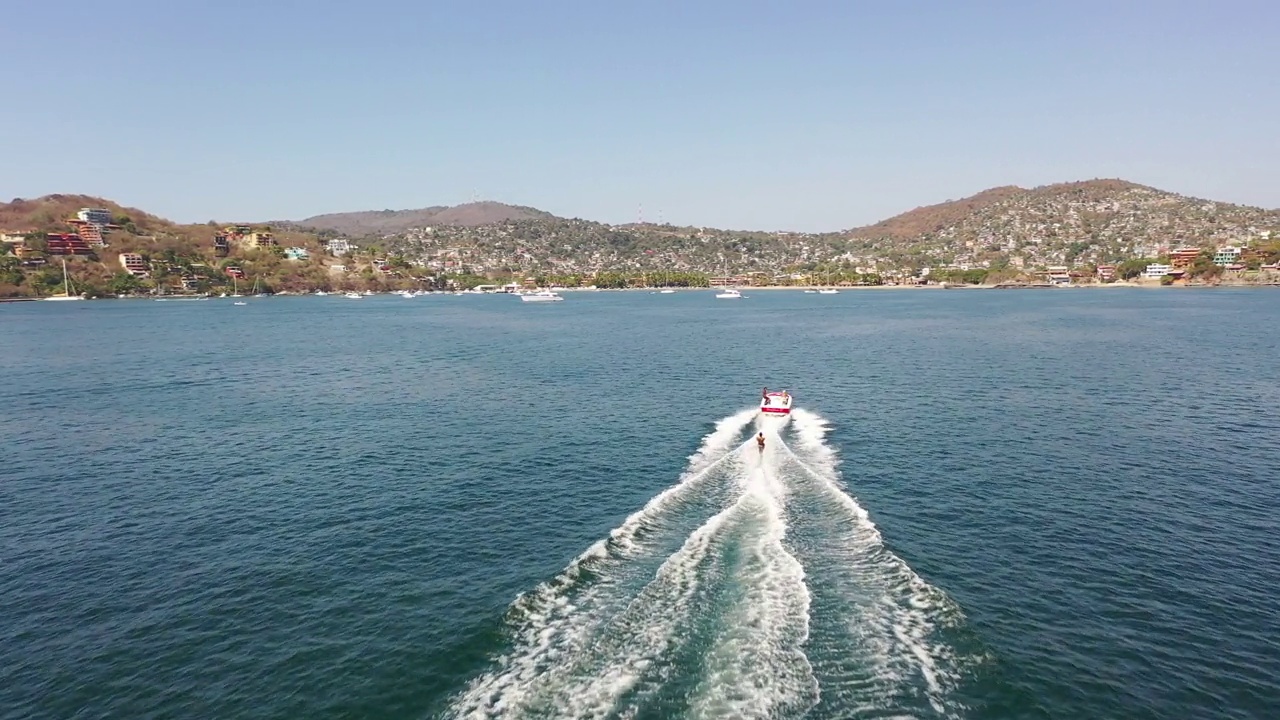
point(999, 234)
point(383, 222)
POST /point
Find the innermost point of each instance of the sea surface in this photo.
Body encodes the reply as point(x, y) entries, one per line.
point(1021, 504)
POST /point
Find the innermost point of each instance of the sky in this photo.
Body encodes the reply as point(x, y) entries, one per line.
point(799, 115)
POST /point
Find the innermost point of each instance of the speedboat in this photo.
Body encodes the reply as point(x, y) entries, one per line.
point(776, 404)
point(353, 295)
point(540, 296)
point(730, 294)
point(828, 291)
point(668, 291)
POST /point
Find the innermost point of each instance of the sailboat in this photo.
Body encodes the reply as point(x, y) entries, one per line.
point(235, 287)
point(66, 286)
point(828, 290)
point(729, 293)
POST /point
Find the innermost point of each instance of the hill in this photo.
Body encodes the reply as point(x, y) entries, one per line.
point(996, 234)
point(49, 213)
point(386, 222)
point(921, 220)
point(1093, 221)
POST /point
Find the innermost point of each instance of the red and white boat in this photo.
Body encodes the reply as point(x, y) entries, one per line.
point(776, 404)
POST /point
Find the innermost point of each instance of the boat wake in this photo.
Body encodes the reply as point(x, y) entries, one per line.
point(753, 587)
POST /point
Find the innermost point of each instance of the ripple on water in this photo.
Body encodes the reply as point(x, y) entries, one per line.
point(325, 509)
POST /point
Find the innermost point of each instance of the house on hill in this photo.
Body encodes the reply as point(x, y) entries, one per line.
point(66, 244)
point(1182, 258)
point(261, 239)
point(134, 264)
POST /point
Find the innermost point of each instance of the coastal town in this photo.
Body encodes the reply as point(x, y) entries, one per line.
point(1103, 233)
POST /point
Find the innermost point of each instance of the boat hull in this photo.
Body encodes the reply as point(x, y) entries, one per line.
point(544, 296)
point(776, 405)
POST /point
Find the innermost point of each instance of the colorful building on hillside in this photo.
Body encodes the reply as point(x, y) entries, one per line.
point(1226, 256)
point(134, 264)
point(1182, 258)
point(261, 239)
point(66, 244)
point(1106, 273)
point(1058, 275)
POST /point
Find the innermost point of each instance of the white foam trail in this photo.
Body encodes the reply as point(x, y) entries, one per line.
point(756, 668)
point(712, 452)
point(564, 631)
point(893, 615)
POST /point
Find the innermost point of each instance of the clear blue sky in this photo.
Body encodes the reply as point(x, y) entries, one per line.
point(801, 115)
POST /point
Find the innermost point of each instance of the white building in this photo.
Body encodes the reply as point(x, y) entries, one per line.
point(1226, 256)
point(1156, 270)
point(95, 216)
point(339, 246)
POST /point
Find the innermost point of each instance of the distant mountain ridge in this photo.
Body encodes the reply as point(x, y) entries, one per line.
point(388, 222)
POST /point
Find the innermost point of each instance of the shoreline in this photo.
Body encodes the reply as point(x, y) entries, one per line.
point(744, 288)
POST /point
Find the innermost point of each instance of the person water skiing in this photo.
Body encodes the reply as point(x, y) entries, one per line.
point(764, 395)
point(760, 441)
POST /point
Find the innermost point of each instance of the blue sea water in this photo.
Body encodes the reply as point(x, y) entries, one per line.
point(1055, 504)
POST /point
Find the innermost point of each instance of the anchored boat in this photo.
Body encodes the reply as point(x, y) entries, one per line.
point(541, 296)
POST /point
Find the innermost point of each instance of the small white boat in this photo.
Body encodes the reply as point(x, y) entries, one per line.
point(730, 294)
point(775, 404)
point(239, 302)
point(810, 292)
point(668, 291)
point(353, 296)
point(828, 291)
point(540, 296)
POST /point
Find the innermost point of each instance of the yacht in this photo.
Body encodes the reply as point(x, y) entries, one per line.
point(729, 294)
point(540, 296)
point(353, 295)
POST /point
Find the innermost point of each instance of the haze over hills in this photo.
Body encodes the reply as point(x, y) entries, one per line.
point(384, 222)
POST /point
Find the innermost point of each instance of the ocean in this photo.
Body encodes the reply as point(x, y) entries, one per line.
point(1017, 504)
